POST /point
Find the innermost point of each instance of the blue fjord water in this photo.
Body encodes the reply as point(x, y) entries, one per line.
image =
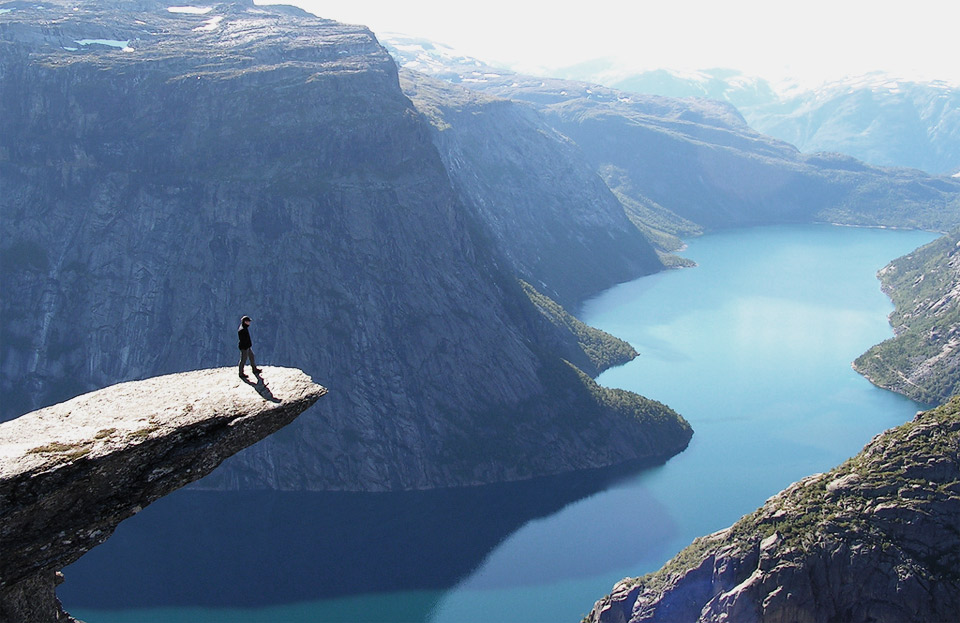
point(753, 347)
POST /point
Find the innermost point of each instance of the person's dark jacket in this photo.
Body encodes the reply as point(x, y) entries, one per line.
point(244, 334)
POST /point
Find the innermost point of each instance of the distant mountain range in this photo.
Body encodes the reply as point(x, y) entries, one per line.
point(681, 166)
point(875, 118)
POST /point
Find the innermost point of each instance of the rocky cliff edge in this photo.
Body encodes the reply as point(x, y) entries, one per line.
point(71, 472)
point(876, 539)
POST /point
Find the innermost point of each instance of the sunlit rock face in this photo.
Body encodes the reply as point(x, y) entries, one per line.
point(70, 473)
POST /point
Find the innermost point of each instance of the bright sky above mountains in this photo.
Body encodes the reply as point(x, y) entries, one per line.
point(812, 41)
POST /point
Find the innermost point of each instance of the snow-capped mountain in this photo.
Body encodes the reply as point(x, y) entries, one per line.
point(438, 60)
point(875, 118)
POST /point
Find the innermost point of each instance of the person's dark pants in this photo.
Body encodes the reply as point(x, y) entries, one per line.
point(244, 353)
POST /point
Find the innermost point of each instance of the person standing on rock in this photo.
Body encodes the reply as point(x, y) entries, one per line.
point(246, 347)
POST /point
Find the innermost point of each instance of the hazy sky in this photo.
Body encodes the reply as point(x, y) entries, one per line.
point(812, 40)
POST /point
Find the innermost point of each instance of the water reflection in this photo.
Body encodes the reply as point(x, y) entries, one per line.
point(251, 549)
point(753, 348)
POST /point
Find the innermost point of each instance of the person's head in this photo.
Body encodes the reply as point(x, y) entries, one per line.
point(245, 320)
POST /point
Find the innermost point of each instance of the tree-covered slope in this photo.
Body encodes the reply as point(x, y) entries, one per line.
point(922, 360)
point(589, 348)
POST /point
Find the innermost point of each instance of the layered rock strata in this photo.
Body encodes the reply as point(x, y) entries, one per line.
point(876, 539)
point(70, 473)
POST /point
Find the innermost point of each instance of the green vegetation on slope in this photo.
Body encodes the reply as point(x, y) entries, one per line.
point(663, 228)
point(879, 529)
point(600, 349)
point(572, 414)
point(922, 360)
point(906, 467)
point(893, 198)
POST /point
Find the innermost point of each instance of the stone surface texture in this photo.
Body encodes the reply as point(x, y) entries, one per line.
point(70, 473)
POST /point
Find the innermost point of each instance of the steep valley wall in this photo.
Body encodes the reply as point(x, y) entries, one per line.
point(265, 162)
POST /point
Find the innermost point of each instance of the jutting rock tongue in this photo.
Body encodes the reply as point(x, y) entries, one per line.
point(71, 472)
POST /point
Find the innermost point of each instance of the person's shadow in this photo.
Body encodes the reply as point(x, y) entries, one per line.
point(261, 388)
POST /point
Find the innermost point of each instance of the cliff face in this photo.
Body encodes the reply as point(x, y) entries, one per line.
point(542, 203)
point(166, 172)
point(922, 360)
point(876, 539)
point(70, 473)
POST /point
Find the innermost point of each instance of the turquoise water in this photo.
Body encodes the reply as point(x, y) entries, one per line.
point(753, 347)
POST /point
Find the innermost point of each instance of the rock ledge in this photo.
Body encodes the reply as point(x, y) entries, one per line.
point(71, 472)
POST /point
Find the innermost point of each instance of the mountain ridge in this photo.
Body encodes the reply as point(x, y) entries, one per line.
point(885, 120)
point(877, 118)
point(684, 166)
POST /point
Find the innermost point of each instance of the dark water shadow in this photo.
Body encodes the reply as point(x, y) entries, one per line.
point(248, 549)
